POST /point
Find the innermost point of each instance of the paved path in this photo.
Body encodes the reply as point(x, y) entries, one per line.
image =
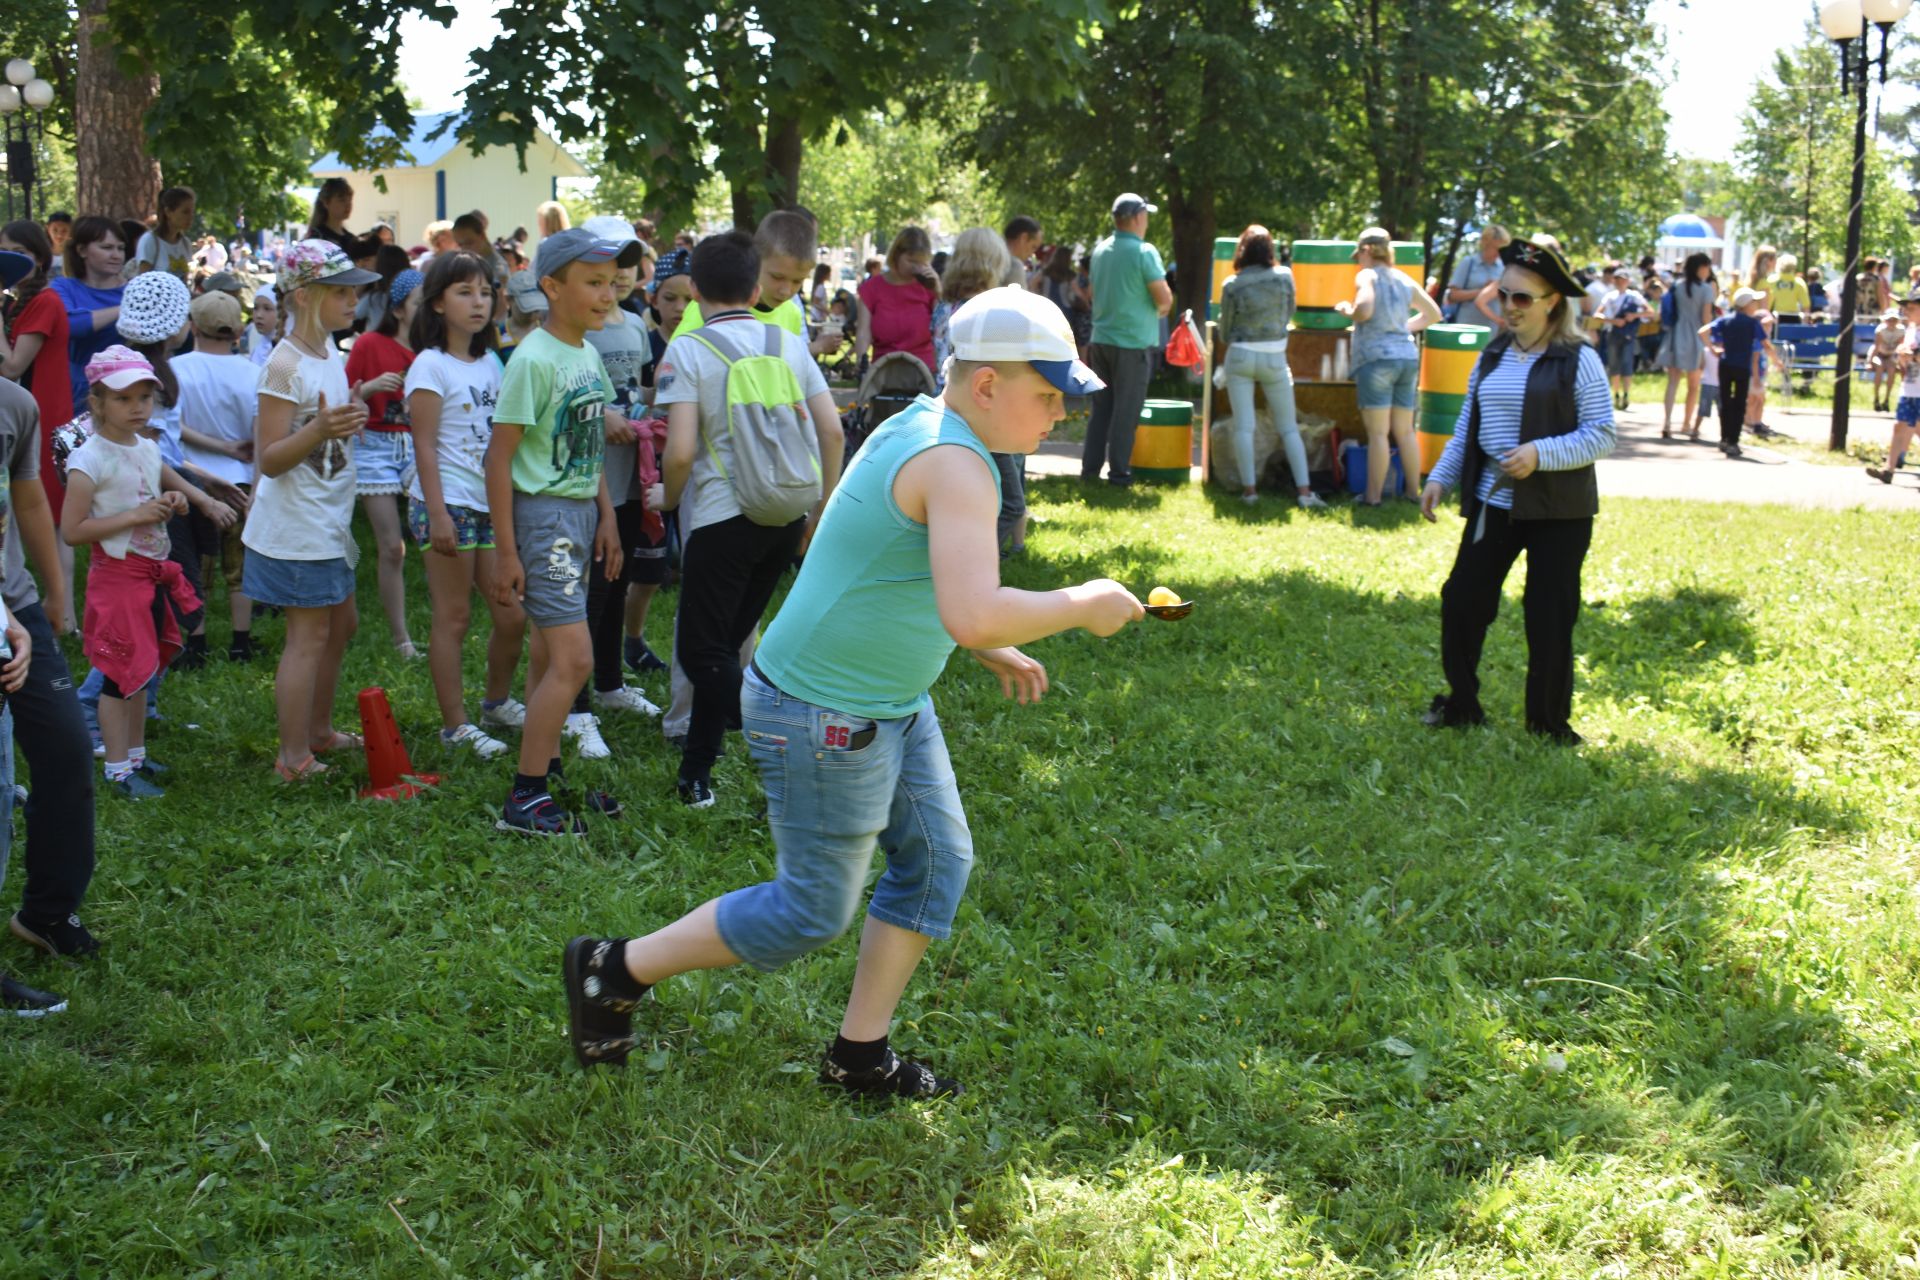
point(1645, 466)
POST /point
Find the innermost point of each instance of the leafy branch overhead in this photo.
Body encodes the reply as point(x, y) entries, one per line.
point(678, 89)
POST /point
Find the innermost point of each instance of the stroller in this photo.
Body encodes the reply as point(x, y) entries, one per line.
point(889, 385)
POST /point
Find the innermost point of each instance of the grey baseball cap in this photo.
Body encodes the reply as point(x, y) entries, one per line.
point(1126, 204)
point(577, 244)
point(523, 287)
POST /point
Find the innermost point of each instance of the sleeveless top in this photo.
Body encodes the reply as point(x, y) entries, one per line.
point(1383, 334)
point(860, 633)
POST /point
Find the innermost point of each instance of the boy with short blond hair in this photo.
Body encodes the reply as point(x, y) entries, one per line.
point(544, 465)
point(837, 712)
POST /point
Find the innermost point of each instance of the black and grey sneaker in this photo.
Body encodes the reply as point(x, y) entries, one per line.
point(66, 939)
point(599, 802)
point(695, 793)
point(22, 1001)
point(1441, 713)
point(895, 1077)
point(599, 1022)
point(538, 815)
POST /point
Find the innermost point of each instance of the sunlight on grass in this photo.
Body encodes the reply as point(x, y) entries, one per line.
point(1255, 976)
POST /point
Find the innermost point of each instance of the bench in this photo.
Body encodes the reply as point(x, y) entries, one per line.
point(1807, 349)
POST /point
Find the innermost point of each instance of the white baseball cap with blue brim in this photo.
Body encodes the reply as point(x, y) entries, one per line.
point(1010, 324)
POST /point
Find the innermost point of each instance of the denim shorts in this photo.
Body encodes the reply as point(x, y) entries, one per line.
point(472, 530)
point(1387, 384)
point(382, 462)
point(554, 537)
point(838, 785)
point(1907, 412)
point(296, 584)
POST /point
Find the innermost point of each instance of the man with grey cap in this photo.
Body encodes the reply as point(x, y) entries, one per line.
point(1130, 294)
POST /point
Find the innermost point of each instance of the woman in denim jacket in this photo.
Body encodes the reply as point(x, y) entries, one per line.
point(1256, 306)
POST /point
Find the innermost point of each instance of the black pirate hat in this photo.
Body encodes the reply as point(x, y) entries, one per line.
point(1547, 263)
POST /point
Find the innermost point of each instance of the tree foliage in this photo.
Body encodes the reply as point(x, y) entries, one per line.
point(679, 89)
point(1794, 163)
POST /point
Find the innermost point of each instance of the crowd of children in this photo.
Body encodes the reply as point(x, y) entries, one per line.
point(546, 430)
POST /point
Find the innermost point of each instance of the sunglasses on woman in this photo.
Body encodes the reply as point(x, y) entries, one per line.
point(1517, 298)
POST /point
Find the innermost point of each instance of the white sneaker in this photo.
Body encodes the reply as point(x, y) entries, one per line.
point(510, 714)
point(471, 737)
point(1312, 502)
point(584, 728)
point(625, 698)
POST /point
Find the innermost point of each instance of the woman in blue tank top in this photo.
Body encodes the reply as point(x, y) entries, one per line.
point(1387, 311)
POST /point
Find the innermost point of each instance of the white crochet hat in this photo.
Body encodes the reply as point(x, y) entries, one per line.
point(152, 308)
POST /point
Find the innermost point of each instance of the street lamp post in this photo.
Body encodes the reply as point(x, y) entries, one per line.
point(1845, 23)
point(23, 89)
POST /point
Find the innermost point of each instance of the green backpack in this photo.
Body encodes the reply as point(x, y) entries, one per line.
point(776, 457)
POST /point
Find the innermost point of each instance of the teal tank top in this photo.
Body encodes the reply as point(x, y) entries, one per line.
point(860, 632)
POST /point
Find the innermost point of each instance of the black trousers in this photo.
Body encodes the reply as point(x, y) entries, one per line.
point(728, 574)
point(52, 736)
point(1735, 382)
point(607, 609)
point(1470, 601)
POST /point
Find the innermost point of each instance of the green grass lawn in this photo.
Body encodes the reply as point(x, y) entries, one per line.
point(1256, 977)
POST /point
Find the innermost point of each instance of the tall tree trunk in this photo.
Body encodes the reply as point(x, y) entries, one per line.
point(1194, 223)
point(115, 175)
point(745, 216)
point(784, 149)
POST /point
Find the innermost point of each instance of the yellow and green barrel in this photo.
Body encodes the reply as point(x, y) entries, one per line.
point(1163, 442)
point(1323, 272)
point(1446, 361)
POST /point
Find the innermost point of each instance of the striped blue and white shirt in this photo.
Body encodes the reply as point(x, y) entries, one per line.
point(1500, 405)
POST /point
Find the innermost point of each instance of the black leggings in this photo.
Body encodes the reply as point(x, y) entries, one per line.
point(1735, 383)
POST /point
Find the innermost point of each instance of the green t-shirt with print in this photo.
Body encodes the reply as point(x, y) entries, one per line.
point(557, 393)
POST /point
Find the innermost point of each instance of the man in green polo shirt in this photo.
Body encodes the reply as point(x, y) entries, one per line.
point(1130, 294)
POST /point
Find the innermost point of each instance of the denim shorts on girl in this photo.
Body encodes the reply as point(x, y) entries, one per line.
point(382, 462)
point(1387, 384)
point(472, 530)
point(1907, 412)
point(296, 584)
point(838, 786)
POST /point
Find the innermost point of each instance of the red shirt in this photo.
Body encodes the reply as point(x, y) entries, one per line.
point(374, 354)
point(901, 317)
point(48, 378)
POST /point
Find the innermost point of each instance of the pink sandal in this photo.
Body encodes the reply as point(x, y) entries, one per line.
point(306, 769)
point(341, 741)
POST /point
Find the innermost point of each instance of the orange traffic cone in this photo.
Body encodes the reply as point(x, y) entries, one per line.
point(390, 772)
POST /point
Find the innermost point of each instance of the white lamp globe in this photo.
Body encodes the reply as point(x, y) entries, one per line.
point(9, 99)
point(1887, 11)
point(1842, 19)
point(19, 71)
point(38, 93)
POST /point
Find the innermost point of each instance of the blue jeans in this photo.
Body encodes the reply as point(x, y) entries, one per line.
point(1386, 384)
point(836, 784)
point(1268, 369)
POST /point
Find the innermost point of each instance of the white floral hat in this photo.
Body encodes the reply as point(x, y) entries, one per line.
point(319, 262)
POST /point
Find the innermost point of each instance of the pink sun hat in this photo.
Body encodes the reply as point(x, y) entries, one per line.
point(119, 367)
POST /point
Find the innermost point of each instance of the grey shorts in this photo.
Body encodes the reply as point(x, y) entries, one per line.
point(555, 539)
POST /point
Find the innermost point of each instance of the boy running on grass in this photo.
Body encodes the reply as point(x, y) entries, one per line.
point(836, 710)
point(543, 465)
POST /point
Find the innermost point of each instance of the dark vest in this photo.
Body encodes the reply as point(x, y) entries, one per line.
point(1548, 409)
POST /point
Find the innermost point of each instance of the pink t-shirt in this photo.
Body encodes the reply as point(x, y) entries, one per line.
point(901, 317)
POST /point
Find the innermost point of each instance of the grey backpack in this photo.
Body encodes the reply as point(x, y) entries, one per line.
point(776, 457)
